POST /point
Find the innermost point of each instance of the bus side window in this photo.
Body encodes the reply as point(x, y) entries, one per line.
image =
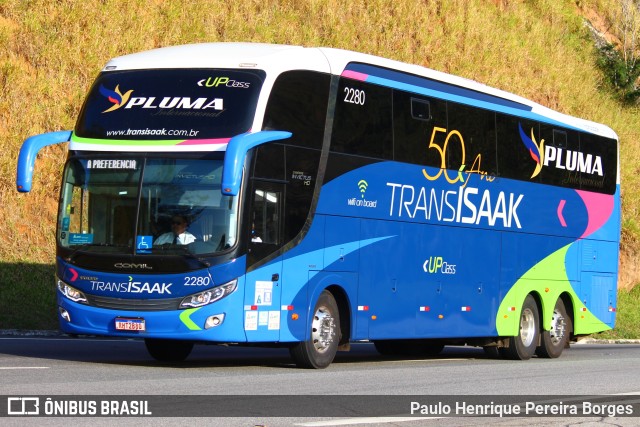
point(414, 119)
point(363, 121)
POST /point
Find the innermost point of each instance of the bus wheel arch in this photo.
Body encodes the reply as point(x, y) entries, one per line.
point(523, 345)
point(344, 309)
point(319, 350)
point(569, 307)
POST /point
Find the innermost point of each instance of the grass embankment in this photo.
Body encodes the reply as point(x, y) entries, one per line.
point(27, 296)
point(51, 51)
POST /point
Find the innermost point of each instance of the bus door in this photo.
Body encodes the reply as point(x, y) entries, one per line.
point(263, 283)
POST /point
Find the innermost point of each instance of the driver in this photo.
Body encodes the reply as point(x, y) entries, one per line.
point(178, 234)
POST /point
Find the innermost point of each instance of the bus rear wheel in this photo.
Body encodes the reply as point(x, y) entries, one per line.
point(556, 339)
point(168, 350)
point(523, 345)
point(320, 349)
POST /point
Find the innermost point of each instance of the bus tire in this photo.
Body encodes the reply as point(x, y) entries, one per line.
point(320, 349)
point(492, 351)
point(168, 350)
point(556, 339)
point(523, 345)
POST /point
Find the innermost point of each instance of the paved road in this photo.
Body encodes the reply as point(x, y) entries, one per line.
point(53, 366)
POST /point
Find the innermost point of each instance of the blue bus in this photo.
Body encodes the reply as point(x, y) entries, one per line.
point(309, 198)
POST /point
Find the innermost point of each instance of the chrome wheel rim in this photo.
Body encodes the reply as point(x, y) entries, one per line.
point(323, 330)
point(527, 327)
point(558, 327)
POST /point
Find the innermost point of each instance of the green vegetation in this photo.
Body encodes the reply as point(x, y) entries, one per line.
point(621, 74)
point(27, 296)
point(620, 62)
point(50, 51)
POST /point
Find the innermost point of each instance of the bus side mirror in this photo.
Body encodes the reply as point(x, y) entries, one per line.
point(237, 149)
point(28, 152)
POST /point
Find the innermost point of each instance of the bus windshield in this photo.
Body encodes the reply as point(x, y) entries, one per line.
point(170, 104)
point(125, 205)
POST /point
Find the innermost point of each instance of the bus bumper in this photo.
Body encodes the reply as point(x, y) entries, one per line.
point(221, 321)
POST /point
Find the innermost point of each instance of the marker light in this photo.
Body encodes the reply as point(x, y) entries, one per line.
point(72, 293)
point(210, 295)
point(64, 314)
point(213, 321)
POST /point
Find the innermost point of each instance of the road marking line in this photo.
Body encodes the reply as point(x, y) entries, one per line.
point(369, 420)
point(429, 360)
point(6, 368)
point(57, 339)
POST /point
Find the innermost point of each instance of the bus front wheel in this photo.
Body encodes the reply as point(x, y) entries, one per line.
point(320, 349)
point(523, 345)
point(168, 350)
point(557, 338)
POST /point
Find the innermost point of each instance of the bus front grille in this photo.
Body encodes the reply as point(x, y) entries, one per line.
point(134, 304)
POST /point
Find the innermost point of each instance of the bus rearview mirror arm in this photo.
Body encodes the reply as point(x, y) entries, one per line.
point(237, 151)
point(28, 153)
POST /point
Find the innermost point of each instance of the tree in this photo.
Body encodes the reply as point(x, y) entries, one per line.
point(622, 65)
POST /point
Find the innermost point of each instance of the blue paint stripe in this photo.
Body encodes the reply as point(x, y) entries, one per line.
point(435, 85)
point(431, 88)
point(347, 249)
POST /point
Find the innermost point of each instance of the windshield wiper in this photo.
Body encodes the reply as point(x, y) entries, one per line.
point(191, 255)
point(84, 246)
point(182, 248)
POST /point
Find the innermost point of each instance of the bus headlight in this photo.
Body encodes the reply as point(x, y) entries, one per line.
point(209, 296)
point(72, 293)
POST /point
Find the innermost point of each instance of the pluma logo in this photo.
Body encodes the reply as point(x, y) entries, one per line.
point(535, 150)
point(115, 97)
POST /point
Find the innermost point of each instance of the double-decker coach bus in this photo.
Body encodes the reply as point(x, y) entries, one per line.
point(311, 197)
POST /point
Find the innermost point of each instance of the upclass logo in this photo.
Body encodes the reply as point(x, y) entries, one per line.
point(437, 264)
point(117, 98)
point(535, 150)
point(223, 81)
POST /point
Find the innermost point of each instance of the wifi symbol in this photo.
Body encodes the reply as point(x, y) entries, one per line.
point(362, 185)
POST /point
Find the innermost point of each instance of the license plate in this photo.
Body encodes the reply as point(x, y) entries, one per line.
point(123, 324)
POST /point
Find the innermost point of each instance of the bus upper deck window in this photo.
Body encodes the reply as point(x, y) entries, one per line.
point(420, 109)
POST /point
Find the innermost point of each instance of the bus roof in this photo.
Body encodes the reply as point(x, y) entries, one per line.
point(275, 59)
